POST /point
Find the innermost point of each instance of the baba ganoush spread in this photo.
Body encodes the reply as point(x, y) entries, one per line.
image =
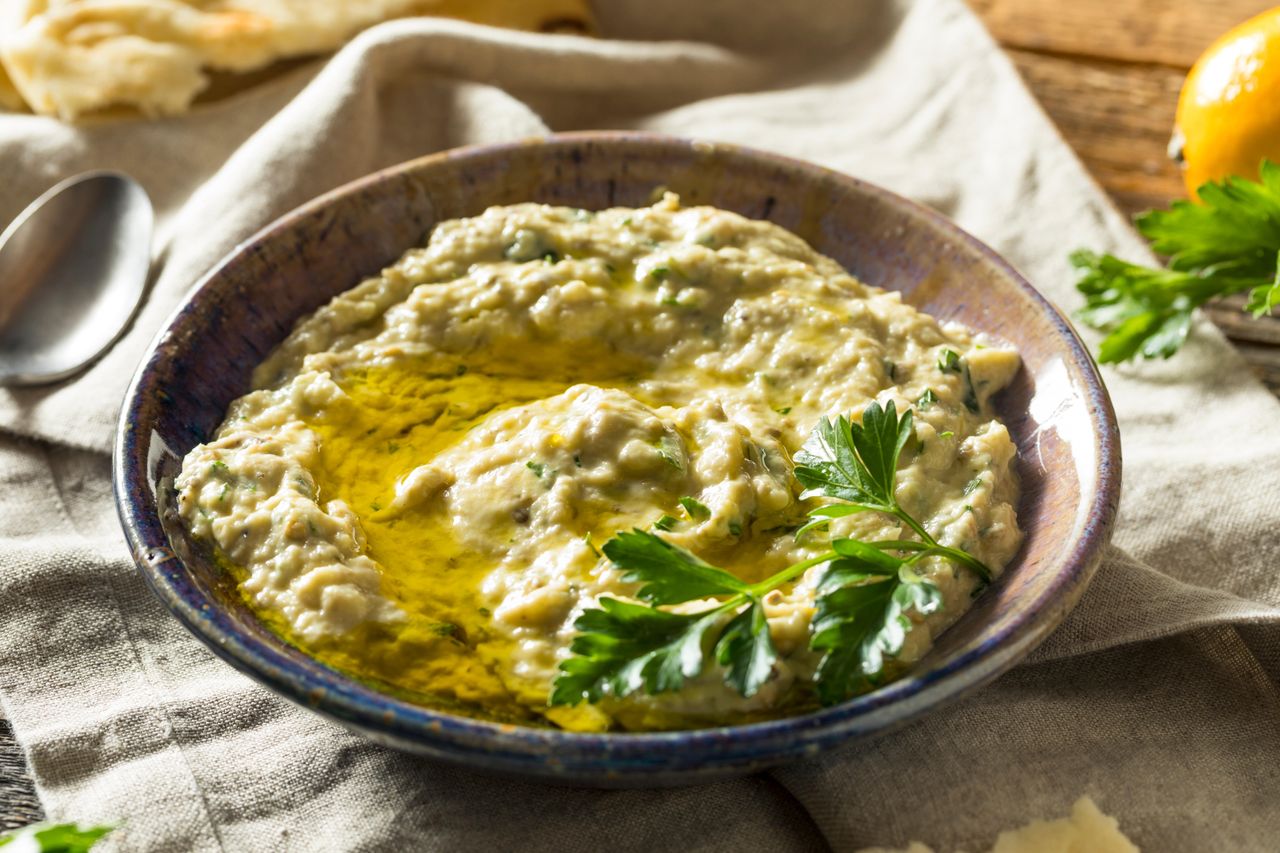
point(417, 491)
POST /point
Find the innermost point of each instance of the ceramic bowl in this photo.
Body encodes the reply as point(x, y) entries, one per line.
point(1056, 409)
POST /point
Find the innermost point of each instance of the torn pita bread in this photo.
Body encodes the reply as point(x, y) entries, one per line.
point(9, 97)
point(70, 57)
point(12, 16)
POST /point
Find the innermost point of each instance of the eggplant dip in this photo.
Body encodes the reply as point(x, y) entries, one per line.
point(629, 469)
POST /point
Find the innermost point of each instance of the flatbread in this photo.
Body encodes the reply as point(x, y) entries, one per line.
point(9, 97)
point(12, 16)
point(70, 57)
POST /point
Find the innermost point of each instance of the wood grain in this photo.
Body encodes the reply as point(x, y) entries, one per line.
point(1117, 116)
point(1165, 32)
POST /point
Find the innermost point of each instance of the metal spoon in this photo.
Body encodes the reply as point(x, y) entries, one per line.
point(73, 268)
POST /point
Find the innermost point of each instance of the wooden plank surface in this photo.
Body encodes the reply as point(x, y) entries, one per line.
point(1108, 74)
point(1117, 117)
point(1162, 32)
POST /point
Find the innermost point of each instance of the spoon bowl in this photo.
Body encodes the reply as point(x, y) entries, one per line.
point(73, 268)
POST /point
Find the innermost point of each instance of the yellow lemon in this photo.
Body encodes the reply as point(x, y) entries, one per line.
point(1229, 111)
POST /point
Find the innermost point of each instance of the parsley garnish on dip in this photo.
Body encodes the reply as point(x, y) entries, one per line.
point(768, 487)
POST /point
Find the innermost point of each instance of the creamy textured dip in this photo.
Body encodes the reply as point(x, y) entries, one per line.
point(417, 491)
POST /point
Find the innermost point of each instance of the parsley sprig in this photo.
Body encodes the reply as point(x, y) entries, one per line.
point(857, 464)
point(1228, 243)
point(864, 596)
point(623, 648)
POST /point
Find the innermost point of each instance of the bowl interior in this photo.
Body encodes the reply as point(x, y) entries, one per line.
point(1056, 409)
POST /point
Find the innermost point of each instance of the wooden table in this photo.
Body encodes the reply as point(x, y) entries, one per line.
point(1108, 73)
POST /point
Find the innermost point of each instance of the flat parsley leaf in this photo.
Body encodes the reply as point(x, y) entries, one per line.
point(879, 441)
point(697, 510)
point(856, 561)
point(1145, 311)
point(821, 516)
point(746, 650)
point(622, 648)
point(828, 466)
point(1264, 298)
point(855, 462)
point(669, 573)
point(672, 453)
point(861, 617)
point(1235, 227)
point(1228, 243)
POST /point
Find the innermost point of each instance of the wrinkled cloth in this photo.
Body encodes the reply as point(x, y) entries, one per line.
point(1158, 696)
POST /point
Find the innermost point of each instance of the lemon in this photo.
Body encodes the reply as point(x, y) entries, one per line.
point(1228, 115)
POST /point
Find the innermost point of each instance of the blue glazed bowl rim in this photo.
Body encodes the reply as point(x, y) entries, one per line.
point(450, 735)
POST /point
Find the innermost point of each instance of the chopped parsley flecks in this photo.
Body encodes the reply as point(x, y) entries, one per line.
point(697, 510)
point(970, 393)
point(669, 450)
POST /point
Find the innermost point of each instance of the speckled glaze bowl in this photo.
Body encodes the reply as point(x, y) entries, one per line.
point(1056, 409)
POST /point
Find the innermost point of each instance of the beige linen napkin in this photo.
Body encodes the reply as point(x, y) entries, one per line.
point(1159, 695)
